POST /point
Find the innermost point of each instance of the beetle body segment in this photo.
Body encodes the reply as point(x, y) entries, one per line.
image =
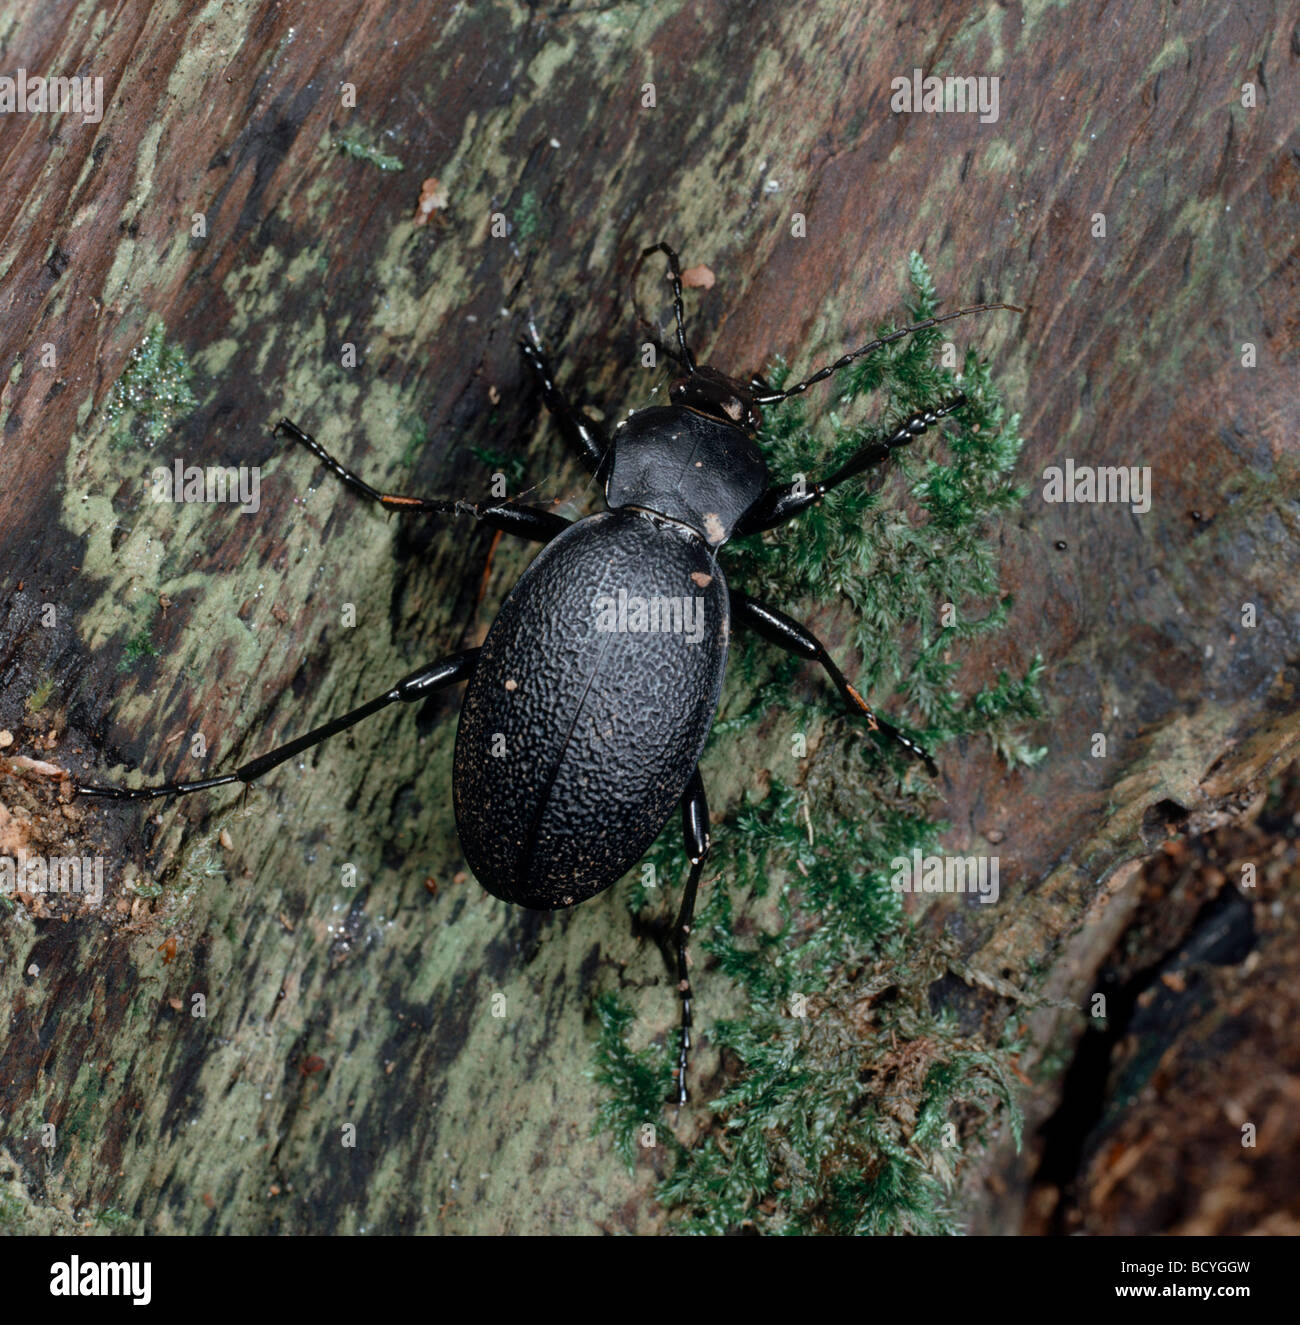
point(688, 467)
point(588, 709)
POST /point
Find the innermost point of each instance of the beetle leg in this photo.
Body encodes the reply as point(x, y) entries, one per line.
point(695, 829)
point(582, 433)
point(796, 638)
point(531, 522)
point(779, 504)
point(445, 672)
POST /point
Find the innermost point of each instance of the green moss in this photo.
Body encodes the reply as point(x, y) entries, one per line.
point(849, 1104)
point(153, 394)
point(636, 1084)
point(528, 216)
point(417, 441)
point(513, 467)
point(81, 1120)
point(39, 697)
point(351, 145)
point(138, 646)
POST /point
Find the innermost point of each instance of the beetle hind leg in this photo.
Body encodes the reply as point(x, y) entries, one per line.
point(418, 685)
point(695, 831)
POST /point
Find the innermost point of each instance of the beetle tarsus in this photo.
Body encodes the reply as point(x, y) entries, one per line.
point(780, 504)
point(695, 830)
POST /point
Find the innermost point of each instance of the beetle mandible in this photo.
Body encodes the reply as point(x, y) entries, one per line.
point(589, 702)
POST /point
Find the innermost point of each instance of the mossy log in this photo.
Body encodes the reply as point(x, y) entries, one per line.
point(234, 241)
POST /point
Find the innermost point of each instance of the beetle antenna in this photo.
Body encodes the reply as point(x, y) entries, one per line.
point(653, 337)
point(770, 397)
point(685, 357)
point(651, 330)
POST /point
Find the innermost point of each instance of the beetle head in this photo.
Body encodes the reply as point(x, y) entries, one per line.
point(717, 396)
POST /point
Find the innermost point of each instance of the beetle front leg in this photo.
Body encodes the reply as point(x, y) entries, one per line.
point(779, 504)
point(581, 432)
point(695, 830)
point(796, 638)
point(445, 672)
point(530, 522)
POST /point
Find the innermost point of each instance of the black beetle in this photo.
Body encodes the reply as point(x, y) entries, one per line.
point(591, 698)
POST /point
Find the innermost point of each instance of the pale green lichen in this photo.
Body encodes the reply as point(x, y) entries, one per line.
point(351, 145)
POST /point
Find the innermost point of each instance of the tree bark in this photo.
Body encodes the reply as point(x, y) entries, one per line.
point(329, 1007)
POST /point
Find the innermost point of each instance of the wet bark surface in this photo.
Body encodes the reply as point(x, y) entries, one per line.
point(1177, 1112)
point(348, 1071)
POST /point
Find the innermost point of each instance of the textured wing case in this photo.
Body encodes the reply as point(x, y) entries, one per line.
point(582, 724)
